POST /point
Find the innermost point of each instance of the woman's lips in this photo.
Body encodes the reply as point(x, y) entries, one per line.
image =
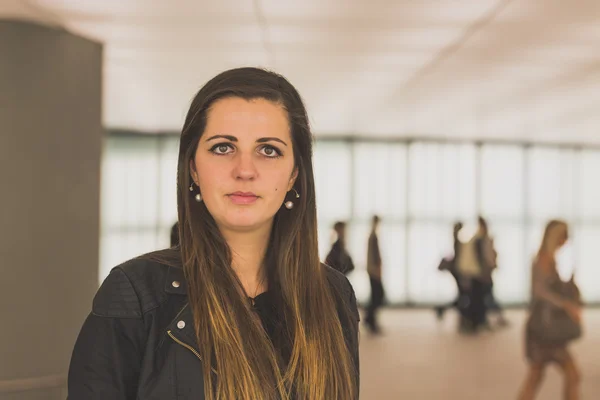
point(243, 198)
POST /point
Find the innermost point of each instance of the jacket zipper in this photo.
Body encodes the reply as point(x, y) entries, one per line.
point(187, 346)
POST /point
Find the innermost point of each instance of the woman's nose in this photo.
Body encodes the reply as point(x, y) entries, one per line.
point(245, 168)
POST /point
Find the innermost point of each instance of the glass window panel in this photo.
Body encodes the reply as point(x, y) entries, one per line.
point(502, 181)
point(587, 254)
point(551, 183)
point(442, 180)
point(425, 180)
point(589, 197)
point(163, 237)
point(512, 279)
point(332, 170)
point(167, 190)
point(458, 181)
point(380, 180)
point(427, 244)
point(129, 182)
point(392, 241)
point(113, 184)
point(119, 246)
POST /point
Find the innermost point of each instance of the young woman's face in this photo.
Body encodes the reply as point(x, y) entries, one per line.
point(244, 164)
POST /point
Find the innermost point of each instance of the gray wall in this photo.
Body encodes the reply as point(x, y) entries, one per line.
point(50, 145)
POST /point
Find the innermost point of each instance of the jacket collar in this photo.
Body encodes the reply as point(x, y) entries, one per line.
point(175, 282)
point(182, 326)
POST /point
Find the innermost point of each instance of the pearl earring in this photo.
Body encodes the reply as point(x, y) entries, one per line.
point(198, 196)
point(290, 204)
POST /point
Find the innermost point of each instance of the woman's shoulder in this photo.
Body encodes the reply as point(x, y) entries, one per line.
point(543, 262)
point(342, 288)
point(336, 278)
point(139, 285)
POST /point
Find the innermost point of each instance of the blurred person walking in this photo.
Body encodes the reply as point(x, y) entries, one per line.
point(374, 263)
point(450, 265)
point(470, 271)
point(488, 261)
point(338, 256)
point(554, 318)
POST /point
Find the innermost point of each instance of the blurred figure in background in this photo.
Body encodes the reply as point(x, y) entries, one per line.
point(374, 271)
point(547, 334)
point(175, 234)
point(450, 265)
point(487, 258)
point(470, 273)
point(476, 263)
point(338, 256)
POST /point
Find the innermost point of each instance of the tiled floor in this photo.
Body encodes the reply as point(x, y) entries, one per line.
point(419, 358)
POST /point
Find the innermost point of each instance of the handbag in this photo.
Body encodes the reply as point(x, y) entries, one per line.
point(553, 325)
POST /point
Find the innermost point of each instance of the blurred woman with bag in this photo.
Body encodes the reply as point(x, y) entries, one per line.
point(555, 318)
point(338, 257)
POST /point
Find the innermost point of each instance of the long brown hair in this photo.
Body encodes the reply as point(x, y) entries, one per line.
point(231, 338)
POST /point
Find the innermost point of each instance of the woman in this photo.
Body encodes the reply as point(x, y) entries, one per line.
point(338, 257)
point(242, 309)
point(539, 354)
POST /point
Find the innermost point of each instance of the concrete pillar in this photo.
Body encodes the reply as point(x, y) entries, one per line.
point(50, 146)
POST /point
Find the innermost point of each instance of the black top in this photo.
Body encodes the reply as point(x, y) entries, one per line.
point(264, 306)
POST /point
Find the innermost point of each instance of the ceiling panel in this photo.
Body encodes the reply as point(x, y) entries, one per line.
point(399, 10)
point(146, 9)
point(501, 69)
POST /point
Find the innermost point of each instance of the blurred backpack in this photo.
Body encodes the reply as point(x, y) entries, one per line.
point(467, 263)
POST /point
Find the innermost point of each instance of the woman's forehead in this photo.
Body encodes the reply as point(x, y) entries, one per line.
point(247, 118)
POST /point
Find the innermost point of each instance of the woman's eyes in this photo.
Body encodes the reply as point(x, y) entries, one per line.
point(221, 148)
point(265, 150)
point(270, 151)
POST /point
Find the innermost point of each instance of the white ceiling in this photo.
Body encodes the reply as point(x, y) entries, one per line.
point(491, 69)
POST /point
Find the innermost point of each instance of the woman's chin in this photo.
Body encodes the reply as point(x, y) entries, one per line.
point(246, 223)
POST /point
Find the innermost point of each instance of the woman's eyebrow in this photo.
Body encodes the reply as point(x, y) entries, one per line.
point(270, 139)
point(228, 137)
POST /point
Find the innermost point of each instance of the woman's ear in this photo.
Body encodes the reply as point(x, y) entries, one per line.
point(293, 178)
point(193, 171)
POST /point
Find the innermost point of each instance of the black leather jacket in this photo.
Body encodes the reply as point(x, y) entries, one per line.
point(138, 343)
